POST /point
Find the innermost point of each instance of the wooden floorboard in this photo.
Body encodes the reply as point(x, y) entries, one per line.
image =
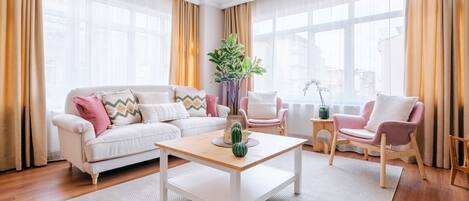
point(57, 181)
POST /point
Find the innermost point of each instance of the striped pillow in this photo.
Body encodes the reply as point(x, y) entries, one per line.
point(194, 102)
point(121, 107)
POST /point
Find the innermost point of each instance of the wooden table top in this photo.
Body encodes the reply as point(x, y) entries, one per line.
point(201, 147)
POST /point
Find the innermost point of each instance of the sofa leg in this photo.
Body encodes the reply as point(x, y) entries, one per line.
point(70, 165)
point(94, 178)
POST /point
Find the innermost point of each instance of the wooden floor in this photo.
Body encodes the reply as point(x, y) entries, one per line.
point(57, 181)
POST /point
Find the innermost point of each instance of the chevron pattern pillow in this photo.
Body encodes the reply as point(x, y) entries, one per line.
point(194, 102)
point(121, 107)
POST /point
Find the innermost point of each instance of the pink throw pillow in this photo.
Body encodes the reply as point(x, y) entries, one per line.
point(211, 101)
point(92, 109)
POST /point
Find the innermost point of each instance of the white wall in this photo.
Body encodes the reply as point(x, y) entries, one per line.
point(211, 33)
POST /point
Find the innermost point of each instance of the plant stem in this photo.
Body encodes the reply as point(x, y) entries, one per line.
point(322, 100)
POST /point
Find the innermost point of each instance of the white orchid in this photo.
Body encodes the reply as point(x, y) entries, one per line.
point(318, 87)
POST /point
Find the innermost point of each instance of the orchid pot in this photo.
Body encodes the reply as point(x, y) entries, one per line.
point(324, 112)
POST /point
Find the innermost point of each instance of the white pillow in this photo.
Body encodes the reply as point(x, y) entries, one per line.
point(262, 105)
point(152, 97)
point(153, 113)
point(390, 108)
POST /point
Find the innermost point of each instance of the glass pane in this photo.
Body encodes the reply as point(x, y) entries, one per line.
point(373, 7)
point(291, 64)
point(107, 13)
point(379, 57)
point(292, 22)
point(263, 49)
point(330, 14)
point(327, 55)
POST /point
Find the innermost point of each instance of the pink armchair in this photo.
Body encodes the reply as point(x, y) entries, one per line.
point(351, 128)
point(278, 124)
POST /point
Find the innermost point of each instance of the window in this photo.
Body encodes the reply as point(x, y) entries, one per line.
point(104, 42)
point(355, 48)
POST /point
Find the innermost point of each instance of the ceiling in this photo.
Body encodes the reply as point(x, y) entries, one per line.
point(220, 3)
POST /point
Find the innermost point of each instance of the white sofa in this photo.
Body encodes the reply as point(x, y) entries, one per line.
point(124, 145)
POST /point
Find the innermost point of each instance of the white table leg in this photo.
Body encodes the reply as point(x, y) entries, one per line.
point(235, 185)
point(163, 175)
point(298, 164)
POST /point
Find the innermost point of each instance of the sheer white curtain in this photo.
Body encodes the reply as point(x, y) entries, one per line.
point(355, 48)
point(103, 42)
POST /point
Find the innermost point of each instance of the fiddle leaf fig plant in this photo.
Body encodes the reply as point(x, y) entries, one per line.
point(232, 67)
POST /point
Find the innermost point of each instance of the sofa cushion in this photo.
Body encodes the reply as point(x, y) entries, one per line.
point(199, 125)
point(211, 101)
point(360, 133)
point(121, 107)
point(129, 139)
point(152, 97)
point(193, 100)
point(153, 113)
point(262, 105)
point(264, 121)
point(390, 108)
point(92, 110)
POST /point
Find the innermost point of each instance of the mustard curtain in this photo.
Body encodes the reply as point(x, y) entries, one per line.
point(185, 44)
point(22, 95)
point(238, 20)
point(437, 72)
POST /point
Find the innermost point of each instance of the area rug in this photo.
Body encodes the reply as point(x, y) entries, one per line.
point(348, 179)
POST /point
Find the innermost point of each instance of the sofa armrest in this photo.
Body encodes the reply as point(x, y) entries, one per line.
point(223, 111)
point(75, 124)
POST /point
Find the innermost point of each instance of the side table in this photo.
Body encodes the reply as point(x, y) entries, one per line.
point(318, 125)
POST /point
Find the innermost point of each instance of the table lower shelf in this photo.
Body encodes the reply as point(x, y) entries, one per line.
point(208, 184)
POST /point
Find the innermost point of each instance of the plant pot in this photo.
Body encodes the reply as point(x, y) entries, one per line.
point(324, 112)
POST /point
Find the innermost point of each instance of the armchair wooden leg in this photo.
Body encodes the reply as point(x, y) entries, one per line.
point(415, 147)
point(94, 178)
point(382, 176)
point(453, 175)
point(365, 153)
point(334, 143)
point(285, 129)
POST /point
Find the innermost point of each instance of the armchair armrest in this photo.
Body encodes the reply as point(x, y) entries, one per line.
point(75, 124)
point(223, 111)
point(348, 121)
point(397, 132)
point(244, 114)
point(282, 115)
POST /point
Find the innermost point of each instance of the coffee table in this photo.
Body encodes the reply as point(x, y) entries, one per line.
point(225, 177)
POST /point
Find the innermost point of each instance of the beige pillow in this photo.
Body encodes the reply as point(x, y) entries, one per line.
point(153, 113)
point(121, 107)
point(390, 108)
point(152, 97)
point(262, 105)
point(194, 102)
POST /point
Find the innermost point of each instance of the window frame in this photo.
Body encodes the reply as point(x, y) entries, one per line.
point(348, 27)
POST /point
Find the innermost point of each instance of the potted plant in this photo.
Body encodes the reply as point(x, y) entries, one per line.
point(232, 67)
point(323, 108)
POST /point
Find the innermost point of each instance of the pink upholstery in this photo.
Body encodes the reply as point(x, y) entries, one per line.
point(254, 123)
point(211, 101)
point(397, 132)
point(91, 109)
